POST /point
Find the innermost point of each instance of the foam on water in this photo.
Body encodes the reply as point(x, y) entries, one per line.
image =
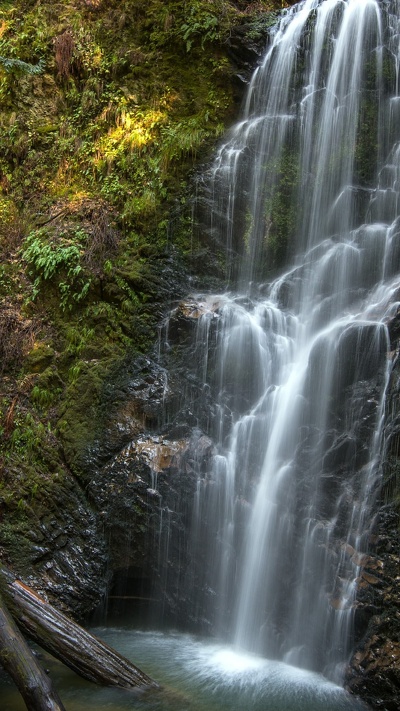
point(201, 674)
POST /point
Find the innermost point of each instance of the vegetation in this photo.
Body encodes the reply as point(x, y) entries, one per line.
point(105, 109)
point(280, 207)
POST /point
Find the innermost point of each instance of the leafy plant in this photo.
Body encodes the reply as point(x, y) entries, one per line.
point(11, 65)
point(200, 22)
point(58, 260)
point(193, 23)
point(27, 435)
point(77, 339)
point(42, 397)
point(74, 373)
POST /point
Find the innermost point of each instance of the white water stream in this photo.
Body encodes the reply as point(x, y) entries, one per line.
point(299, 365)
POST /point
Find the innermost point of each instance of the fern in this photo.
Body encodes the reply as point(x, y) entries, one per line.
point(57, 262)
point(18, 65)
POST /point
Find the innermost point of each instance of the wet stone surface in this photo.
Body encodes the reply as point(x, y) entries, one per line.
point(141, 477)
point(374, 670)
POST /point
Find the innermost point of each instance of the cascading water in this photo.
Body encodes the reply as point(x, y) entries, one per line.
point(297, 367)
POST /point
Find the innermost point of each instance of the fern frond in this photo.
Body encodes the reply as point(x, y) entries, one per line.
point(17, 64)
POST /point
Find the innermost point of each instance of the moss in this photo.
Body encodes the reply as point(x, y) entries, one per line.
point(281, 209)
point(39, 358)
point(367, 145)
point(79, 414)
point(14, 538)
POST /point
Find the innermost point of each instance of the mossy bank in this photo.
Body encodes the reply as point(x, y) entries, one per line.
point(106, 110)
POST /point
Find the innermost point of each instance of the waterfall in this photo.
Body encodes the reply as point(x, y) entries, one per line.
point(291, 369)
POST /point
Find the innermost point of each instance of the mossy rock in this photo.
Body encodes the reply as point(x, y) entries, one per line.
point(39, 358)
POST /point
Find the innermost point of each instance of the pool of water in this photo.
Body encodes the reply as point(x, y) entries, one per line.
point(195, 675)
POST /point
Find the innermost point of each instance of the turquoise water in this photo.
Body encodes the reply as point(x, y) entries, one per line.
point(195, 675)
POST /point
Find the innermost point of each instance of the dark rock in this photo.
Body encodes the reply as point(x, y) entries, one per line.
point(66, 563)
point(374, 670)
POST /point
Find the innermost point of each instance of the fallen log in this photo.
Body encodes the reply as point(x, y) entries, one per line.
point(17, 659)
point(81, 651)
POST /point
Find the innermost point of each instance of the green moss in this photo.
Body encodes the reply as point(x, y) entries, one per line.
point(39, 358)
point(79, 414)
point(281, 209)
point(47, 389)
point(367, 143)
point(15, 539)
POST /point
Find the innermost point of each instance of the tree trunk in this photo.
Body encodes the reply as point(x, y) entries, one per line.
point(87, 655)
point(17, 659)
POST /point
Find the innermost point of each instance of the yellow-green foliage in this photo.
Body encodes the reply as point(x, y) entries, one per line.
point(119, 107)
point(8, 218)
point(110, 96)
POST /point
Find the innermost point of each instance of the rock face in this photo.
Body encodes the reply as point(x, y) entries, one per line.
point(64, 551)
point(142, 476)
point(142, 471)
point(374, 670)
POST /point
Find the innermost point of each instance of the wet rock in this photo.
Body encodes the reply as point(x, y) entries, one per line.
point(64, 557)
point(247, 43)
point(161, 454)
point(182, 322)
point(374, 670)
point(144, 493)
point(342, 451)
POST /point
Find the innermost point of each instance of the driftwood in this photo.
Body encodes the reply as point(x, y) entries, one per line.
point(17, 659)
point(87, 655)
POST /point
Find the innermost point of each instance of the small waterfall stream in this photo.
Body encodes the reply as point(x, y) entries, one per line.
point(295, 368)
